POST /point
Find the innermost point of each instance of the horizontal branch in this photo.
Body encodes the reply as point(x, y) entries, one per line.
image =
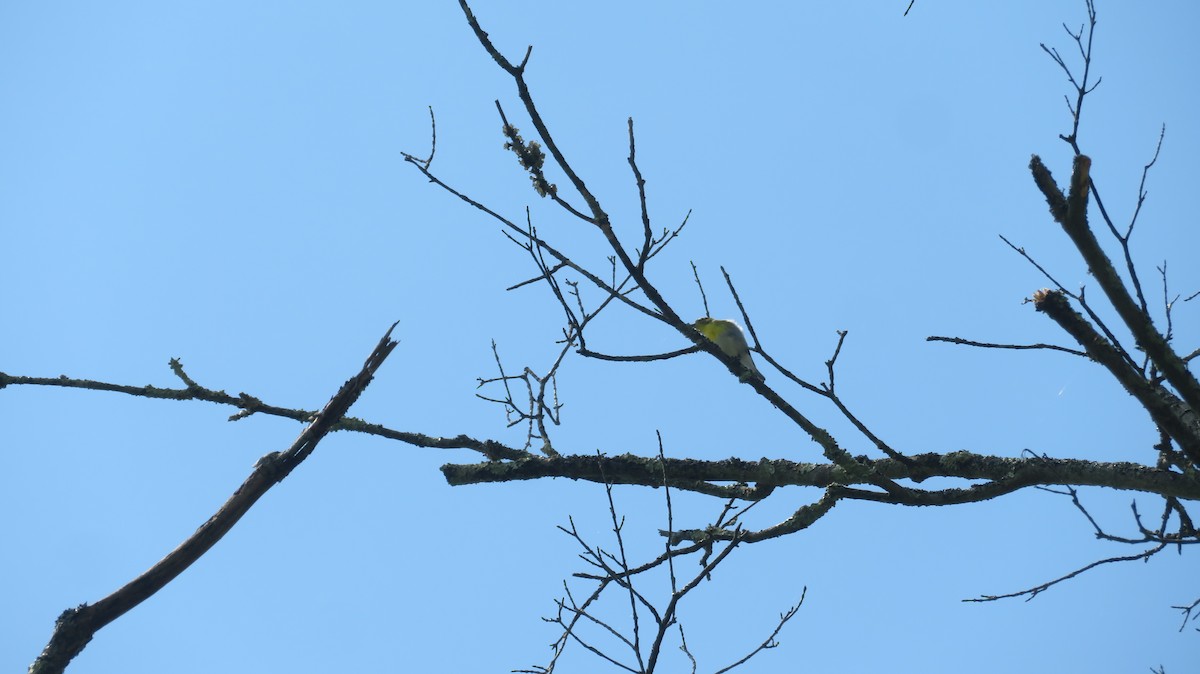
point(992, 345)
point(769, 473)
point(250, 405)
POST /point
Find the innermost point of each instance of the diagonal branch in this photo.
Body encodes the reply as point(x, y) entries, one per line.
point(1032, 592)
point(1071, 213)
point(75, 627)
point(1173, 415)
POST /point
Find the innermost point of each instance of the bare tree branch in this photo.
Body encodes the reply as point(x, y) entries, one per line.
point(990, 345)
point(630, 469)
point(76, 626)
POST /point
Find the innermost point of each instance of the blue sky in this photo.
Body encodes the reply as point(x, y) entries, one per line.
point(223, 183)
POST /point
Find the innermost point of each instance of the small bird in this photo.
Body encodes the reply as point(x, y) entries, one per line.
point(728, 337)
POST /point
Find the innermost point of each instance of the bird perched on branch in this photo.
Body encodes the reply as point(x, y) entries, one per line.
point(728, 337)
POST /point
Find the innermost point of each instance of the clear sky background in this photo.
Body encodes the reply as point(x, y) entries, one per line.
point(223, 182)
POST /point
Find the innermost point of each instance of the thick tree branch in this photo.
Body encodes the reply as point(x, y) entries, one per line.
point(630, 469)
point(1165, 409)
point(75, 627)
point(1071, 213)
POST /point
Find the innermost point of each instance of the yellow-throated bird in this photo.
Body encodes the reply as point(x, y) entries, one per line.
point(728, 337)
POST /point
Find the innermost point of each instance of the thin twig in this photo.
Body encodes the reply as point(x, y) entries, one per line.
point(990, 345)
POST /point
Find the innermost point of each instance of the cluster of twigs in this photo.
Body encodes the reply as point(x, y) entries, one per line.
point(614, 570)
